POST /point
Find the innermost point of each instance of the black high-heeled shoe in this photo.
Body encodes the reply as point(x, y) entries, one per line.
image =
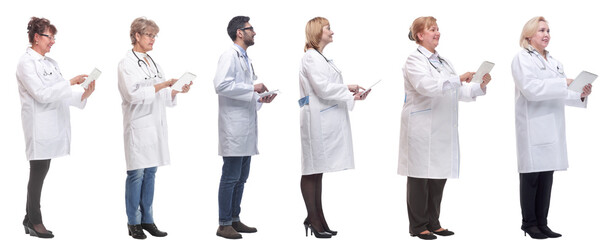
point(34, 233)
point(548, 232)
point(314, 232)
point(326, 229)
point(27, 225)
point(534, 232)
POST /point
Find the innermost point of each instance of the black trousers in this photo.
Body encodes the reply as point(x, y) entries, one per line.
point(423, 203)
point(535, 190)
point(38, 172)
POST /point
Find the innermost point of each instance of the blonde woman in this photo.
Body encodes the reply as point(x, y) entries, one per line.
point(541, 96)
point(326, 136)
point(429, 148)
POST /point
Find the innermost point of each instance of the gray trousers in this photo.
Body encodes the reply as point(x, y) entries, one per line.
point(423, 203)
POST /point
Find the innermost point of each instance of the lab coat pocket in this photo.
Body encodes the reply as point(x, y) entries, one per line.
point(239, 122)
point(420, 111)
point(542, 130)
point(144, 131)
point(332, 120)
point(146, 136)
point(419, 125)
point(46, 125)
point(329, 108)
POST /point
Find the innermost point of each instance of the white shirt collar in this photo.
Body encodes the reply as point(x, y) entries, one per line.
point(532, 49)
point(34, 54)
point(428, 53)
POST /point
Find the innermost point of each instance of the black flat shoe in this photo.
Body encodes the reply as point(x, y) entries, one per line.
point(534, 232)
point(444, 232)
point(153, 230)
point(136, 231)
point(424, 236)
point(546, 230)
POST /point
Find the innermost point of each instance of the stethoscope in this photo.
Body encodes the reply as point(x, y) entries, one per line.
point(330, 62)
point(45, 72)
point(148, 73)
point(443, 63)
point(542, 62)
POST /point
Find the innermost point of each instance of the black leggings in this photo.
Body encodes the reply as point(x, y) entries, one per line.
point(38, 172)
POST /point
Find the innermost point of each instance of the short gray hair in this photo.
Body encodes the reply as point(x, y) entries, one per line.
point(139, 26)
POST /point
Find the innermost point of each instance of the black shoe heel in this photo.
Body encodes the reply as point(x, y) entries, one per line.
point(318, 234)
point(27, 230)
point(534, 232)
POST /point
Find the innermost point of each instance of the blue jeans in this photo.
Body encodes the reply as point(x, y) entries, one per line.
point(139, 195)
point(234, 175)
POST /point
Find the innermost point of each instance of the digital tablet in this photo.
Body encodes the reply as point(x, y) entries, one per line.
point(583, 79)
point(186, 78)
point(483, 70)
point(93, 76)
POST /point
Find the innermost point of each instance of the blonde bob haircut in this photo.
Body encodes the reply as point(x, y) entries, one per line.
point(419, 25)
point(140, 25)
point(313, 32)
point(530, 28)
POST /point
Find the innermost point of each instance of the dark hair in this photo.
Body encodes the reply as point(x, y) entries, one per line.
point(39, 25)
point(235, 23)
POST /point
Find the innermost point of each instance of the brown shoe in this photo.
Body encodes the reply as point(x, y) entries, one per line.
point(240, 227)
point(228, 232)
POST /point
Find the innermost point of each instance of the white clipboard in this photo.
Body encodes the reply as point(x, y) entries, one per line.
point(186, 78)
point(93, 76)
point(371, 87)
point(485, 68)
point(583, 79)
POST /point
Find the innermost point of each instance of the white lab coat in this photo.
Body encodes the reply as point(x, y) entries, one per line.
point(326, 135)
point(144, 110)
point(45, 99)
point(238, 104)
point(428, 146)
point(541, 96)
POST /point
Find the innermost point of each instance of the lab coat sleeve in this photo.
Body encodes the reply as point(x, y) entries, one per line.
point(29, 79)
point(130, 87)
point(75, 100)
point(168, 96)
point(225, 80)
point(258, 103)
point(317, 73)
point(419, 74)
point(532, 88)
point(574, 99)
point(468, 92)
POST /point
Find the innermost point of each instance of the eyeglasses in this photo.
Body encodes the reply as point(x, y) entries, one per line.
point(247, 28)
point(150, 35)
point(45, 35)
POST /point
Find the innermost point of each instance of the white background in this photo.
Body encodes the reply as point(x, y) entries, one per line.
point(83, 196)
